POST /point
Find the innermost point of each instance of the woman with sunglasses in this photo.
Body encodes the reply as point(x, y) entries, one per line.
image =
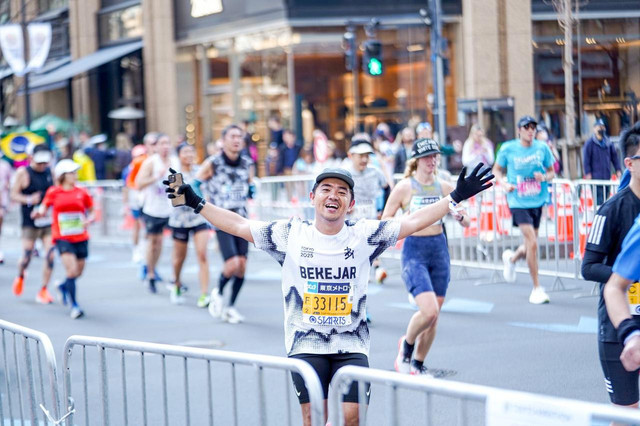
point(524, 168)
point(425, 255)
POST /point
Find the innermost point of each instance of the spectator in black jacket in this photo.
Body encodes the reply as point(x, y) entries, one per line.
point(599, 155)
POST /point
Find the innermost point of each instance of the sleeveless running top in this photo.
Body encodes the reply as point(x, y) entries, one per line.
point(423, 195)
point(156, 203)
point(228, 188)
point(38, 182)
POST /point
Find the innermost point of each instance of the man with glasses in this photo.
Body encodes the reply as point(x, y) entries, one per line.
point(599, 155)
point(28, 189)
point(611, 225)
point(528, 165)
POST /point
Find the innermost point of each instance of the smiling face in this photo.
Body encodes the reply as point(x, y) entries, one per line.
point(331, 200)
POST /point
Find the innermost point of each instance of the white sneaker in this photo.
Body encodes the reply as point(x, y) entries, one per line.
point(175, 295)
point(509, 271)
point(232, 316)
point(136, 254)
point(422, 371)
point(215, 304)
point(403, 362)
point(538, 296)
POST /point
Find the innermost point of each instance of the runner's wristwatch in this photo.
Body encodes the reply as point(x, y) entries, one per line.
point(200, 206)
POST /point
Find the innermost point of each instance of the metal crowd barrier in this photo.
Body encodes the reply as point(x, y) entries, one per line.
point(437, 399)
point(30, 377)
point(151, 399)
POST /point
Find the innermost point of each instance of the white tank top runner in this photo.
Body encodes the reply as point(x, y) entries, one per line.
point(156, 203)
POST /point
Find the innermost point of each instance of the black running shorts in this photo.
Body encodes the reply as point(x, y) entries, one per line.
point(326, 366)
point(80, 249)
point(155, 225)
point(231, 246)
point(621, 384)
point(527, 216)
point(182, 234)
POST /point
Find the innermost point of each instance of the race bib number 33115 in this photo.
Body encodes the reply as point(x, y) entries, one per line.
point(327, 303)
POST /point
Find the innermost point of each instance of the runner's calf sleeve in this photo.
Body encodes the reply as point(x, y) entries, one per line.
point(50, 257)
point(625, 329)
point(71, 288)
point(235, 290)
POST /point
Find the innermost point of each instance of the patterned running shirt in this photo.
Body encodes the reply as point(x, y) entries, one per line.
point(325, 280)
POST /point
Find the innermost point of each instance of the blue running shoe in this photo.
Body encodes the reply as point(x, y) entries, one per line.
point(142, 273)
point(62, 288)
point(155, 272)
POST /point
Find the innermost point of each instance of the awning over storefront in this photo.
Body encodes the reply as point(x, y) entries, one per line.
point(58, 78)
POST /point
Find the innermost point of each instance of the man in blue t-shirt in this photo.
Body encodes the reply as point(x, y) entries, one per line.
point(528, 165)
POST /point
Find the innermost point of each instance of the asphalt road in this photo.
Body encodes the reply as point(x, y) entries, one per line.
point(487, 334)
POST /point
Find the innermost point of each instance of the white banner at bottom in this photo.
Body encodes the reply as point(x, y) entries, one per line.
point(504, 409)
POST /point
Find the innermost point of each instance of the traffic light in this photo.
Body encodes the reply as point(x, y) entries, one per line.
point(349, 47)
point(372, 58)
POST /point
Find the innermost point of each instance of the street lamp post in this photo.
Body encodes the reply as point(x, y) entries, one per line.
point(27, 100)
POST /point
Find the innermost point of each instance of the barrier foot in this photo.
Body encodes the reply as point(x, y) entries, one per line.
point(496, 278)
point(595, 292)
point(558, 285)
point(463, 274)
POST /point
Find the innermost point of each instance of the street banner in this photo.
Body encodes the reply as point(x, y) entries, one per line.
point(12, 45)
point(200, 8)
point(39, 44)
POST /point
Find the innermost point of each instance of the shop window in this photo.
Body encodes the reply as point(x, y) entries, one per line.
point(608, 73)
point(47, 5)
point(121, 24)
point(323, 82)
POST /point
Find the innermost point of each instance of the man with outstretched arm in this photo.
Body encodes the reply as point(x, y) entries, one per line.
point(325, 270)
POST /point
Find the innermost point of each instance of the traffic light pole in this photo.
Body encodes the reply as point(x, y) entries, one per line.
point(440, 115)
point(354, 76)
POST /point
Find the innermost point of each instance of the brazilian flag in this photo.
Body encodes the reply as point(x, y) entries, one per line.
point(14, 145)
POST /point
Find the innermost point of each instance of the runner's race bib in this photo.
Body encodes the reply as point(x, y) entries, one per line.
point(633, 295)
point(418, 202)
point(71, 223)
point(43, 221)
point(327, 303)
point(528, 187)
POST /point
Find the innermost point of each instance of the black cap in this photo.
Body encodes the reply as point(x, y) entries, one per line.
point(423, 147)
point(337, 173)
point(526, 119)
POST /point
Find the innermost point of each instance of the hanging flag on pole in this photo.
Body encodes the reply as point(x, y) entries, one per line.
point(39, 44)
point(12, 45)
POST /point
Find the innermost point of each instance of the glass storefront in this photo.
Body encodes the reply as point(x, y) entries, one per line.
point(299, 75)
point(607, 73)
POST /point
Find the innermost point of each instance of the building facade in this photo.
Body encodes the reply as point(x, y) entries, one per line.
point(197, 66)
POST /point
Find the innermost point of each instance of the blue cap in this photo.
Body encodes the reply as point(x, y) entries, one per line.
point(337, 173)
point(599, 122)
point(526, 119)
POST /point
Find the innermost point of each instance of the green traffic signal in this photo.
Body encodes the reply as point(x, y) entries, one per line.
point(374, 66)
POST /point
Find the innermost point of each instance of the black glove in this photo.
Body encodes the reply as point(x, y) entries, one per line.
point(191, 198)
point(470, 185)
